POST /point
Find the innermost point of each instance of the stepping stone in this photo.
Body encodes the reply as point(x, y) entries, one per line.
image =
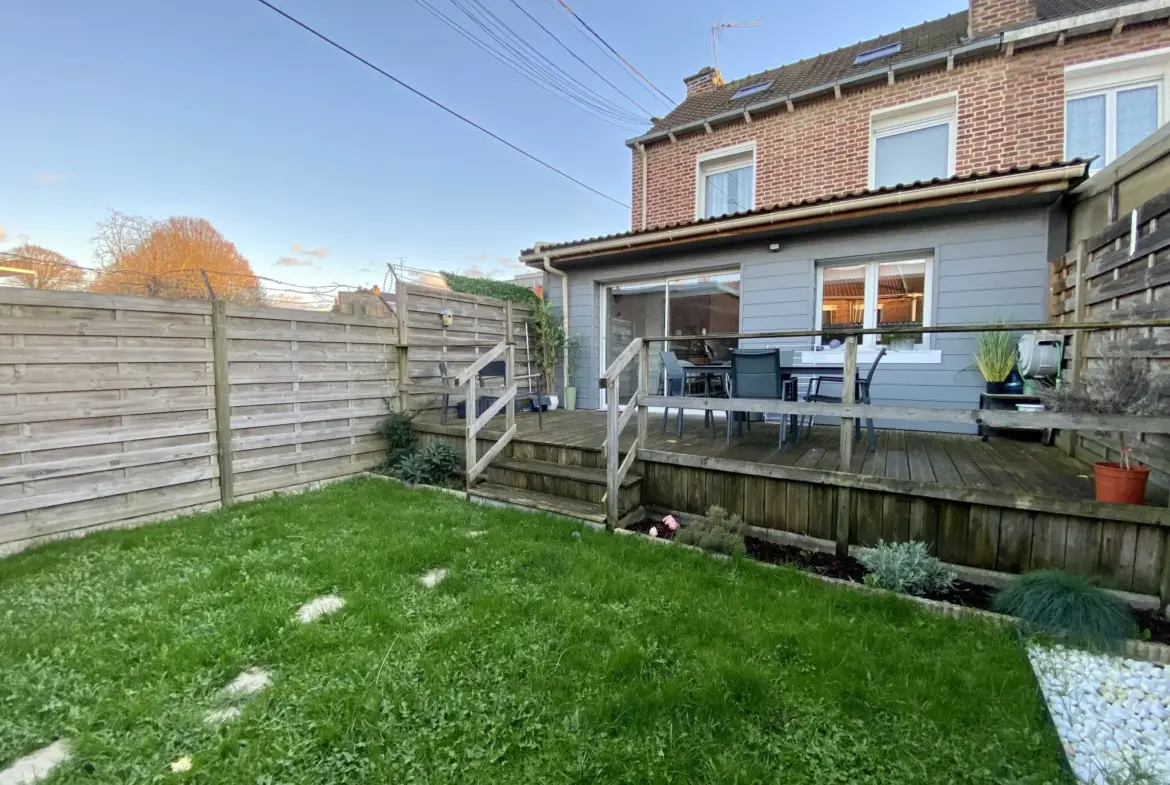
point(223, 715)
point(249, 682)
point(241, 689)
point(181, 765)
point(432, 578)
point(36, 766)
point(310, 611)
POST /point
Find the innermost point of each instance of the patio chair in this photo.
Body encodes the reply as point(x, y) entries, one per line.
point(861, 396)
point(497, 369)
point(758, 374)
point(673, 381)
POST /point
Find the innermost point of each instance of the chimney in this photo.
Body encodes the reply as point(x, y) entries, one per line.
point(991, 16)
point(704, 81)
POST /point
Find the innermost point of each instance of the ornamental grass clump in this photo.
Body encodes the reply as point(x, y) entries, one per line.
point(719, 532)
point(1056, 602)
point(905, 567)
point(995, 354)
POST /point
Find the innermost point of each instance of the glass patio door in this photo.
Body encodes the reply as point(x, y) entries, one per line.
point(697, 305)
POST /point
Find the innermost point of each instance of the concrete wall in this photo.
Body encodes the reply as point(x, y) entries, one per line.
point(987, 265)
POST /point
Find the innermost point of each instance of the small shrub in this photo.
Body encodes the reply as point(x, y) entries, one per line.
point(1061, 603)
point(437, 464)
point(905, 567)
point(717, 533)
point(441, 462)
point(410, 468)
point(400, 438)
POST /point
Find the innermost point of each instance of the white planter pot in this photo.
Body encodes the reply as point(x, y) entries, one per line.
point(552, 401)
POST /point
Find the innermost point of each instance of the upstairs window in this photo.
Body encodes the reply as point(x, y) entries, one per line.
point(726, 181)
point(914, 142)
point(1111, 105)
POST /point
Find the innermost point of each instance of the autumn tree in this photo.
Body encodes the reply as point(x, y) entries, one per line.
point(170, 259)
point(50, 270)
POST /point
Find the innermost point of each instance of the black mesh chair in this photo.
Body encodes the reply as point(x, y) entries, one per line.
point(757, 374)
point(497, 369)
point(861, 395)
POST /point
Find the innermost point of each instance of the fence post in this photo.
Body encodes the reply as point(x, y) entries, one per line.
point(223, 404)
point(1077, 361)
point(400, 305)
point(509, 380)
point(848, 397)
point(644, 389)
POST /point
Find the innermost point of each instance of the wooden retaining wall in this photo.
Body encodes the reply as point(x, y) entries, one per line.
point(115, 409)
point(1127, 555)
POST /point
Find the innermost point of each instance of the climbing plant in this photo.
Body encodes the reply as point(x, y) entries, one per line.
point(501, 290)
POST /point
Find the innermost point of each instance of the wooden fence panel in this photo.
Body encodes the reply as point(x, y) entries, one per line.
point(307, 392)
point(1113, 276)
point(107, 411)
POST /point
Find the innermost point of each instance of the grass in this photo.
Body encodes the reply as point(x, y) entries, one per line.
point(543, 657)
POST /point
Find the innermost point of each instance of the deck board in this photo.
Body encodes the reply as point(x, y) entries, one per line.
point(1002, 464)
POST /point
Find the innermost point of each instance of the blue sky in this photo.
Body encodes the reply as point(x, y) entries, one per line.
point(224, 110)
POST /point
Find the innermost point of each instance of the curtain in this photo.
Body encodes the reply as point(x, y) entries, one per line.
point(1137, 116)
point(1085, 134)
point(922, 154)
point(728, 192)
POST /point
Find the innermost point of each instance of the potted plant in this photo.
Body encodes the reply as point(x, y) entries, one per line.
point(549, 338)
point(995, 356)
point(1123, 384)
point(572, 365)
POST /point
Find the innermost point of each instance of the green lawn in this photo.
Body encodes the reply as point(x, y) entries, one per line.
point(542, 658)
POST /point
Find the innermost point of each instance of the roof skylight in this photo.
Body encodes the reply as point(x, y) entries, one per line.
point(752, 89)
point(879, 53)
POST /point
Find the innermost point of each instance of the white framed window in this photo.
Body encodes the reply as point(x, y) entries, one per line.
point(1111, 105)
point(725, 181)
point(870, 294)
point(914, 141)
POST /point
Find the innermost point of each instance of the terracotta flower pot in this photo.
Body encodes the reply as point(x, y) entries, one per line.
point(1117, 484)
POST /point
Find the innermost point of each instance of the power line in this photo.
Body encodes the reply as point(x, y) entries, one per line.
point(546, 66)
point(576, 57)
point(533, 73)
point(617, 54)
point(438, 104)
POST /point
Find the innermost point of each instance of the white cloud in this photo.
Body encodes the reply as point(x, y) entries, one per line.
point(320, 252)
point(50, 178)
point(292, 261)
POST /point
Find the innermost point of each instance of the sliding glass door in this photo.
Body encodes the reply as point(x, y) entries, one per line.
point(697, 305)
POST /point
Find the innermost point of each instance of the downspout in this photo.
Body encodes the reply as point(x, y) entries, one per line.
point(642, 148)
point(564, 312)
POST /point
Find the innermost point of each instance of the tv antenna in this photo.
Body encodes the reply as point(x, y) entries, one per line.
point(717, 31)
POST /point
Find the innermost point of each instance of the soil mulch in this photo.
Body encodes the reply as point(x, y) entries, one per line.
point(847, 568)
point(643, 527)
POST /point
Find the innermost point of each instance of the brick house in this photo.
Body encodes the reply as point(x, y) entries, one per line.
point(917, 178)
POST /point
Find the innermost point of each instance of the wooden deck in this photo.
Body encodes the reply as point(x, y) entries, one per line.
point(1002, 464)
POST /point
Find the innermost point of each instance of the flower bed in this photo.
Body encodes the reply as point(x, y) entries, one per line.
point(847, 568)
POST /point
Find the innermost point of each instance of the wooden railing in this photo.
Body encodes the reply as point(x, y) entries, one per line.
point(616, 422)
point(476, 423)
point(848, 410)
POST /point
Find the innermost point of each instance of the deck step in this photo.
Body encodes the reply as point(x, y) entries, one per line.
point(561, 470)
point(521, 497)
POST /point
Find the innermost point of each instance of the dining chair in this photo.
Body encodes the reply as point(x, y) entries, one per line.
point(674, 382)
point(757, 374)
point(861, 395)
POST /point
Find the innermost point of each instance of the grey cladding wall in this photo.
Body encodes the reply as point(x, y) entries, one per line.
point(987, 266)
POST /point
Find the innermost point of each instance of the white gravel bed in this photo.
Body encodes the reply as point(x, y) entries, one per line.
point(1112, 714)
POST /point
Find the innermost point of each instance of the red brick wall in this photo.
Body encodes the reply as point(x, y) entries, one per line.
point(1010, 110)
point(989, 16)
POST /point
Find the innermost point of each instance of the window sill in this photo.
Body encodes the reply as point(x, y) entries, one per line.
point(867, 355)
